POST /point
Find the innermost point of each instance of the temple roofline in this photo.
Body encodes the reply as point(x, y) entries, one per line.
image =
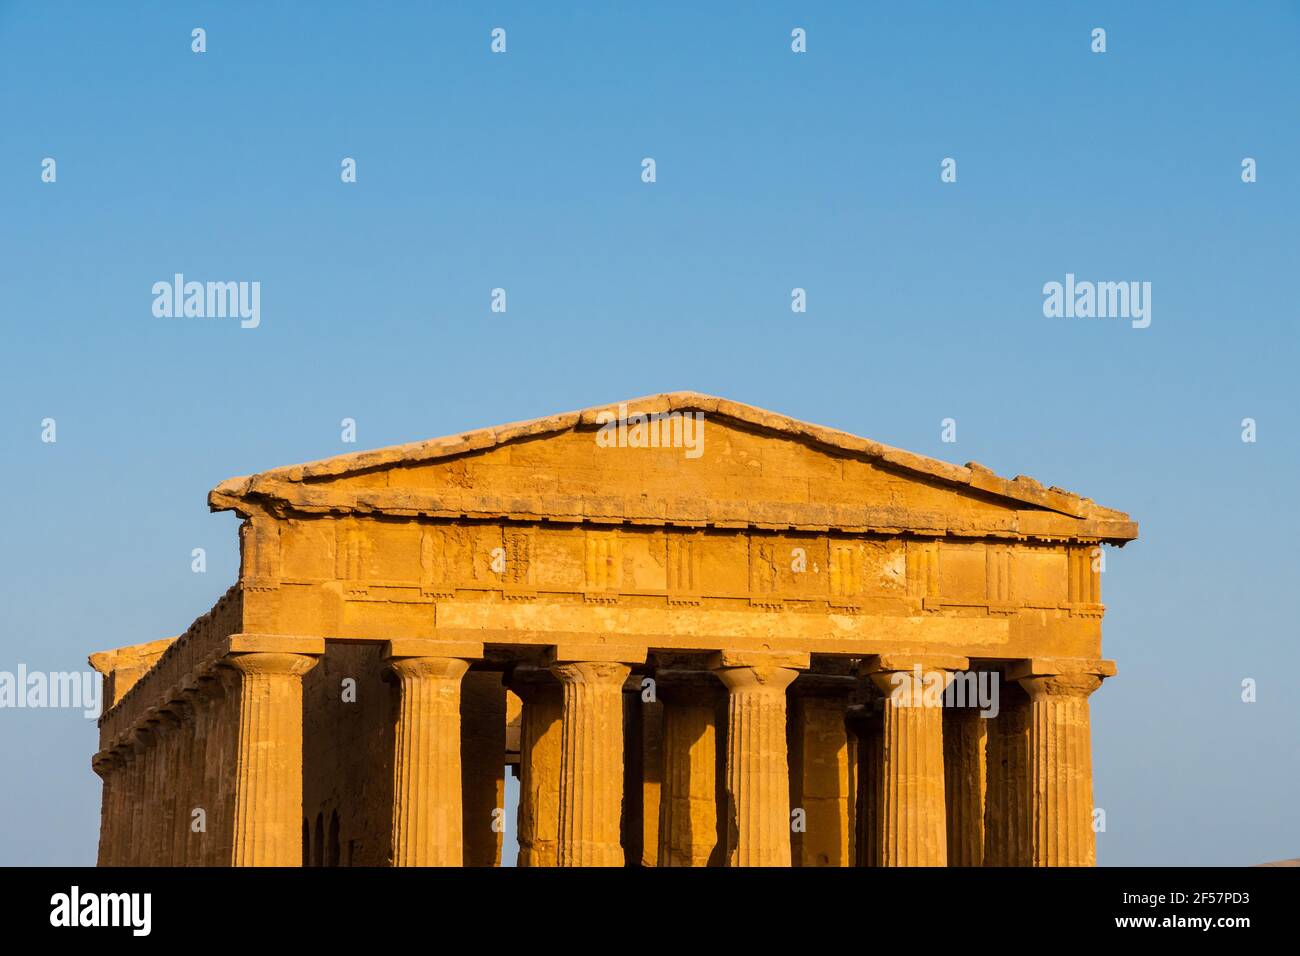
point(1114, 526)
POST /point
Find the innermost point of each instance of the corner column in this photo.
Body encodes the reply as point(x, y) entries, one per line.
point(1060, 756)
point(591, 752)
point(912, 829)
point(268, 756)
point(758, 771)
point(428, 820)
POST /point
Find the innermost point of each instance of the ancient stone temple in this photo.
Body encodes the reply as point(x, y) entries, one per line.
point(699, 633)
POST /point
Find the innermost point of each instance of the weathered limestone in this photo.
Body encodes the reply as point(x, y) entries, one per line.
point(427, 795)
point(540, 735)
point(867, 723)
point(591, 757)
point(912, 827)
point(819, 770)
point(1060, 756)
point(965, 739)
point(1007, 819)
point(268, 769)
point(578, 555)
point(758, 776)
point(688, 804)
point(483, 742)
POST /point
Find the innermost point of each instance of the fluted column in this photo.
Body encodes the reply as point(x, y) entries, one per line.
point(180, 779)
point(106, 765)
point(819, 769)
point(138, 848)
point(165, 784)
point(688, 806)
point(866, 722)
point(591, 762)
point(757, 770)
point(965, 734)
point(540, 735)
point(1060, 757)
point(482, 755)
point(428, 826)
point(125, 816)
point(268, 758)
point(1006, 804)
point(912, 827)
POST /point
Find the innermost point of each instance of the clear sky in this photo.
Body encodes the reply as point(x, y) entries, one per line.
point(775, 170)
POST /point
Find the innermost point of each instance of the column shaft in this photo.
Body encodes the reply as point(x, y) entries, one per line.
point(268, 766)
point(758, 773)
point(540, 736)
point(483, 761)
point(688, 810)
point(964, 739)
point(912, 828)
point(1006, 808)
point(591, 762)
point(1060, 766)
point(427, 797)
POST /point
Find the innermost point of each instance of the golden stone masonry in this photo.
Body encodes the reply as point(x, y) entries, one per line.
point(699, 633)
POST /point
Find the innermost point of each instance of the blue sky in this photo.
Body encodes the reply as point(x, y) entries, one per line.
point(774, 171)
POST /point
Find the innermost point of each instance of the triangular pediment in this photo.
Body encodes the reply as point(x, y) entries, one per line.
point(679, 458)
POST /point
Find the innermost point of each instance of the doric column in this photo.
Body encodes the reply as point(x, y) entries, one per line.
point(107, 765)
point(758, 772)
point(642, 771)
point(482, 757)
point(180, 796)
point(867, 722)
point(133, 847)
point(912, 828)
point(165, 787)
point(268, 758)
point(212, 689)
point(124, 817)
point(1006, 804)
point(965, 734)
point(540, 734)
point(591, 753)
point(428, 822)
point(688, 796)
point(1060, 756)
point(819, 769)
point(149, 817)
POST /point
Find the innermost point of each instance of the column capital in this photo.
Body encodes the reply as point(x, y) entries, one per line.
point(591, 672)
point(428, 668)
point(105, 762)
point(1060, 676)
point(270, 663)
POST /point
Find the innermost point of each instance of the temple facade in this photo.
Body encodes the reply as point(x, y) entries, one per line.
point(699, 633)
